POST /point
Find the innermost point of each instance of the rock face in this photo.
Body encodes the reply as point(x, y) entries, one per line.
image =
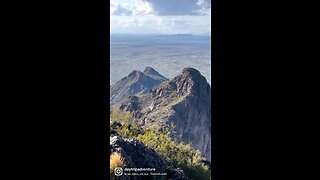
point(184, 101)
point(136, 155)
point(136, 83)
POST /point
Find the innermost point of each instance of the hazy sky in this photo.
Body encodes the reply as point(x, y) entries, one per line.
point(160, 16)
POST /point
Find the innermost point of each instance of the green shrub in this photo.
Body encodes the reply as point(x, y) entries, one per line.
point(175, 152)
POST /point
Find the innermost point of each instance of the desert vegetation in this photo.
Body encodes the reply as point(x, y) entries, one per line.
point(115, 161)
point(164, 141)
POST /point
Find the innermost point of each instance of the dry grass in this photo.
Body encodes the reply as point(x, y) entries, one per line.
point(115, 161)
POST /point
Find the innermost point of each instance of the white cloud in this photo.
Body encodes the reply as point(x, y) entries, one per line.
point(159, 7)
point(121, 10)
point(142, 8)
point(160, 16)
point(178, 7)
point(128, 8)
point(204, 3)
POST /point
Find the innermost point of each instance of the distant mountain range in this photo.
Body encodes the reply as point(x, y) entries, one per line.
point(158, 102)
point(159, 34)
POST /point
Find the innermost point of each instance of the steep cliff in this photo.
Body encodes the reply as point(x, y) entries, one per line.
point(184, 101)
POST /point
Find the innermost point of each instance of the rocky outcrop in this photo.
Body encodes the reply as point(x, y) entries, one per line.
point(184, 101)
point(136, 83)
point(149, 71)
point(136, 155)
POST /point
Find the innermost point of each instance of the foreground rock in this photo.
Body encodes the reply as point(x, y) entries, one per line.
point(136, 155)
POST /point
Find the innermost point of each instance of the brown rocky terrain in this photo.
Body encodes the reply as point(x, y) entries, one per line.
point(184, 101)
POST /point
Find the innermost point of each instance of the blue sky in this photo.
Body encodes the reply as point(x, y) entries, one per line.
point(160, 16)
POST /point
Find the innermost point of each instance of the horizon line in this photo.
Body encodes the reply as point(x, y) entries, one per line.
point(194, 34)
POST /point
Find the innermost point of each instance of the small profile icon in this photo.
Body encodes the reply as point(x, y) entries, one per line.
point(118, 171)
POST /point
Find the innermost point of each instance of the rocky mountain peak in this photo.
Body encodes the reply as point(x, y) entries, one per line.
point(191, 72)
point(149, 71)
point(184, 101)
point(190, 81)
point(135, 73)
point(136, 83)
point(192, 75)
